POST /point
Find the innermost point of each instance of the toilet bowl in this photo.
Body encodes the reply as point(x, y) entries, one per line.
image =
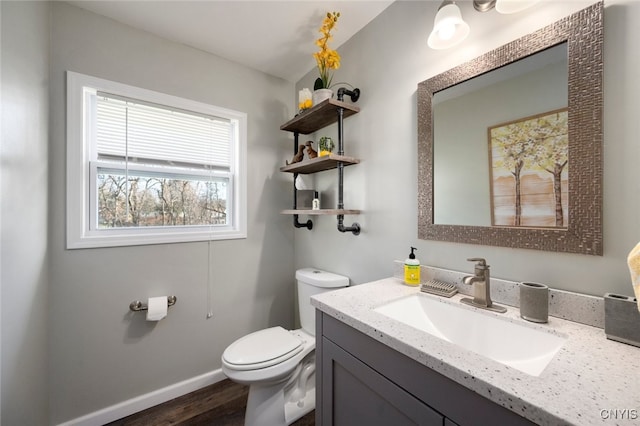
point(278, 364)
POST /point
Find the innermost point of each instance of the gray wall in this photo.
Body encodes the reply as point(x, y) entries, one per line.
point(101, 354)
point(387, 59)
point(24, 265)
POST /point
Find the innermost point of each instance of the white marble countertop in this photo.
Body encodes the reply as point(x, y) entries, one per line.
point(591, 380)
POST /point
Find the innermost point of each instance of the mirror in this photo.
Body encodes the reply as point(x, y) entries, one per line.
point(510, 143)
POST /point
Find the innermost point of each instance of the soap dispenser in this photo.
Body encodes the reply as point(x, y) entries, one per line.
point(412, 269)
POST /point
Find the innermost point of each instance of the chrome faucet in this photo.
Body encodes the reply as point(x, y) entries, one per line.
point(481, 282)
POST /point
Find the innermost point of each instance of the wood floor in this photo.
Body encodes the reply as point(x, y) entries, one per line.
point(221, 404)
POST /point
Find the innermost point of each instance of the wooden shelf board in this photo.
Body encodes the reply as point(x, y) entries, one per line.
point(320, 212)
point(319, 164)
point(319, 116)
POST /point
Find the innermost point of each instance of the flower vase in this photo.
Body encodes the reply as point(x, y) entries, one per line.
point(320, 95)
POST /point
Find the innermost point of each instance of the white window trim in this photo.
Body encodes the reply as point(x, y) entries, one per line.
point(79, 234)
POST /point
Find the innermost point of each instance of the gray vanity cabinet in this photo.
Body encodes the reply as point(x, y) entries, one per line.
point(361, 396)
point(361, 381)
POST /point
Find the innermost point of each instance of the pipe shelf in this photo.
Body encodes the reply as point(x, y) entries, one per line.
point(318, 116)
point(331, 212)
point(319, 164)
point(315, 118)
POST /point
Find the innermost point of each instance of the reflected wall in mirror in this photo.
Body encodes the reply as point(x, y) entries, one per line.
point(464, 163)
point(529, 194)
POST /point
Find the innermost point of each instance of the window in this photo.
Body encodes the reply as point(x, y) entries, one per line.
point(147, 168)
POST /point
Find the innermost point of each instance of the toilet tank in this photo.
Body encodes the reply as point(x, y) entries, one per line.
point(313, 281)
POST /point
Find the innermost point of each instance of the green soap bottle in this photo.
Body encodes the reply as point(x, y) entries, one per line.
point(412, 269)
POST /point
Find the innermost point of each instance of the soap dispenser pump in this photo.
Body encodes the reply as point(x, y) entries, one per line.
point(412, 269)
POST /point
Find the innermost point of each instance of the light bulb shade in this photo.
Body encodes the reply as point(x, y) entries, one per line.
point(449, 28)
point(513, 6)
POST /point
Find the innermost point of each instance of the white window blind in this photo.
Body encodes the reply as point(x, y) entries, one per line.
point(137, 131)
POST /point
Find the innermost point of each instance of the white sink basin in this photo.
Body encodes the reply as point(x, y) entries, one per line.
point(519, 346)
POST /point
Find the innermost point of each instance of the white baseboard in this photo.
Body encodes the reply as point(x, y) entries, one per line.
point(142, 402)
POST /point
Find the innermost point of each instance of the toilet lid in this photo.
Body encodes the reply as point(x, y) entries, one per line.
point(262, 349)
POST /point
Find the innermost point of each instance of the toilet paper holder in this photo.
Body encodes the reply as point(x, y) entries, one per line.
point(137, 305)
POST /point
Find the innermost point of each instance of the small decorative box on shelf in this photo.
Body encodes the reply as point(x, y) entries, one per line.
point(319, 164)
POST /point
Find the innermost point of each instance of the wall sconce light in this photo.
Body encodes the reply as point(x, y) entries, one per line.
point(449, 28)
point(503, 6)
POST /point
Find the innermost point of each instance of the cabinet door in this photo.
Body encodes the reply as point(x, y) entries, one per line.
point(354, 394)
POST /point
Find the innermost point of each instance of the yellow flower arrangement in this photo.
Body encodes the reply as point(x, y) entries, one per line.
point(326, 58)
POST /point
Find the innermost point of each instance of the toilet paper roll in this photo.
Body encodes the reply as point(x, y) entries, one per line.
point(157, 308)
point(304, 182)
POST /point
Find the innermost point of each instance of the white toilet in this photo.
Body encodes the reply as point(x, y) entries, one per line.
point(278, 364)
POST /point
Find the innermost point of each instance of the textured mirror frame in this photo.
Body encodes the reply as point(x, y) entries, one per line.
point(583, 33)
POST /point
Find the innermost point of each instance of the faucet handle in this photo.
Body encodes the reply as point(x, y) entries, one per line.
point(480, 262)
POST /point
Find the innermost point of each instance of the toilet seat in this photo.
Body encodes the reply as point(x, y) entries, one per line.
point(262, 349)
